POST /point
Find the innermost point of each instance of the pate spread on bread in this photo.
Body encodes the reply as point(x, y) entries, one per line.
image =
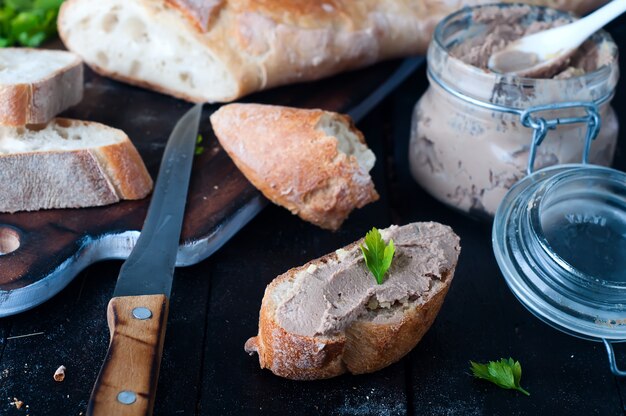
point(330, 316)
point(315, 163)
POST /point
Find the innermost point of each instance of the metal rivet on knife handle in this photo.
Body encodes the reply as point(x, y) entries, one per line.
point(126, 397)
point(142, 313)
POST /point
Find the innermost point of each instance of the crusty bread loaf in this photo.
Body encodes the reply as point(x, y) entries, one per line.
point(37, 84)
point(219, 50)
point(314, 163)
point(68, 164)
point(330, 316)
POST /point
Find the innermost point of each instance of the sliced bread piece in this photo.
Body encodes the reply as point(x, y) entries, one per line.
point(37, 84)
point(219, 50)
point(313, 162)
point(330, 316)
point(68, 164)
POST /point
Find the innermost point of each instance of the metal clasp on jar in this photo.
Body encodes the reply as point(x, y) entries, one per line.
point(541, 126)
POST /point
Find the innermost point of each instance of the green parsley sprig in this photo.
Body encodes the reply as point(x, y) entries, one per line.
point(27, 22)
point(199, 147)
point(377, 255)
point(504, 373)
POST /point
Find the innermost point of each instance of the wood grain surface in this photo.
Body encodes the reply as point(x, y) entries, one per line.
point(133, 358)
point(41, 252)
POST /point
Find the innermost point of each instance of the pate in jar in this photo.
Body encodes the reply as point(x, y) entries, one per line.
point(472, 130)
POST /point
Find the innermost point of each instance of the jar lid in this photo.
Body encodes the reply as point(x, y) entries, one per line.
point(559, 237)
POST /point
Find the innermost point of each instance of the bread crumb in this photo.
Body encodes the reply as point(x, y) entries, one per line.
point(17, 403)
point(59, 375)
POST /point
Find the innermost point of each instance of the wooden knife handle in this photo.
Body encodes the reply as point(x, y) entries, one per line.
point(126, 385)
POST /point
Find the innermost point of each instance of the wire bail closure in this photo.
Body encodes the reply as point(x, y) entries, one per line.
point(612, 361)
point(541, 126)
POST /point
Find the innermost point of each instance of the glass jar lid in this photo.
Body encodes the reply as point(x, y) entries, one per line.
point(559, 237)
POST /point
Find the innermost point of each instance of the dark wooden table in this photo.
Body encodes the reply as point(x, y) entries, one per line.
point(215, 305)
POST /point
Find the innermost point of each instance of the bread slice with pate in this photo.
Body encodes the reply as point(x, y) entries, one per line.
point(330, 316)
point(315, 163)
point(37, 84)
point(68, 164)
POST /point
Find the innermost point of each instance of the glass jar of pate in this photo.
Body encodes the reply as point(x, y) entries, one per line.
point(472, 130)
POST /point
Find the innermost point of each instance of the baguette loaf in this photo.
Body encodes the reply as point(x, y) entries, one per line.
point(68, 164)
point(330, 316)
point(314, 163)
point(219, 50)
point(37, 84)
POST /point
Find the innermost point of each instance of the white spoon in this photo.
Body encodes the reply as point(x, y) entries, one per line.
point(544, 51)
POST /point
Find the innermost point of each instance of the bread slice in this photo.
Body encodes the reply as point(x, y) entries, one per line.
point(220, 50)
point(313, 162)
point(330, 316)
point(37, 84)
point(68, 164)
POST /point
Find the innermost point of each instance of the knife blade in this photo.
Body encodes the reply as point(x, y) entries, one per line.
point(137, 313)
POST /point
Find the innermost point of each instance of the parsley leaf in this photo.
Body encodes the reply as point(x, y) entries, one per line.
point(504, 373)
point(377, 255)
point(199, 148)
point(27, 22)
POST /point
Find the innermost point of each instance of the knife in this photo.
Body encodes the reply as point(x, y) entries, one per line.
point(137, 313)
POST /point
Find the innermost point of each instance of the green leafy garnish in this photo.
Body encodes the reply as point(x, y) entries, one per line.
point(503, 373)
point(377, 255)
point(27, 22)
point(199, 148)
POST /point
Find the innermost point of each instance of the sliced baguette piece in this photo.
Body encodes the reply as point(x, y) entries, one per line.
point(68, 164)
point(330, 316)
point(315, 163)
point(220, 50)
point(37, 84)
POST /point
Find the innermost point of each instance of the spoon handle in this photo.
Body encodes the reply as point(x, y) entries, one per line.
point(597, 20)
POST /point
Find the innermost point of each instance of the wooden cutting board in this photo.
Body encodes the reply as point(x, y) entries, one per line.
point(41, 252)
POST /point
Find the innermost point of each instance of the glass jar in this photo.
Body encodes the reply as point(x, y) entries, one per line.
point(559, 237)
point(472, 129)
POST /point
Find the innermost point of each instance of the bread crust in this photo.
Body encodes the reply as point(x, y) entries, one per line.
point(73, 178)
point(40, 101)
point(266, 43)
point(288, 157)
point(125, 169)
point(200, 13)
point(364, 347)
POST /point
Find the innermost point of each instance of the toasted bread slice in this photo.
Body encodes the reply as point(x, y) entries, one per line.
point(330, 316)
point(68, 164)
point(315, 163)
point(37, 84)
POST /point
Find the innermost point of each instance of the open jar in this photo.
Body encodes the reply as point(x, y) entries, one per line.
point(472, 130)
point(559, 237)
